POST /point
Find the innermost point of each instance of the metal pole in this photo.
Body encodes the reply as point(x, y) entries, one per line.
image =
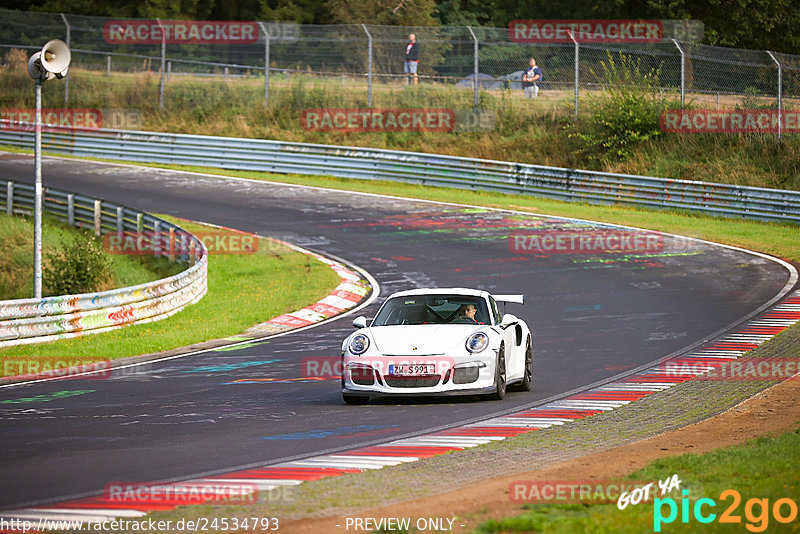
point(683, 72)
point(369, 66)
point(577, 71)
point(163, 61)
point(266, 61)
point(66, 78)
point(475, 63)
point(37, 204)
point(780, 92)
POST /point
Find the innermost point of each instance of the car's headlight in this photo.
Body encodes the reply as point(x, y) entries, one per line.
point(477, 342)
point(359, 344)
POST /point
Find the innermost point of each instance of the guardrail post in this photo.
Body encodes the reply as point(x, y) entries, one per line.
point(266, 61)
point(120, 220)
point(369, 66)
point(577, 71)
point(683, 72)
point(183, 255)
point(139, 223)
point(171, 252)
point(10, 198)
point(71, 209)
point(156, 239)
point(780, 92)
point(97, 216)
point(192, 251)
point(475, 66)
point(66, 78)
point(163, 60)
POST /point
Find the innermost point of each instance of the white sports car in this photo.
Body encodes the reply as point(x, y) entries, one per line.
point(448, 341)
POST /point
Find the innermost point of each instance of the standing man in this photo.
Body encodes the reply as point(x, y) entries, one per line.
point(412, 58)
point(529, 79)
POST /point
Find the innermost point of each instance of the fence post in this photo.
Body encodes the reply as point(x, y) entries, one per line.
point(577, 71)
point(683, 72)
point(780, 92)
point(266, 61)
point(475, 63)
point(369, 66)
point(163, 66)
point(71, 209)
point(66, 78)
point(10, 198)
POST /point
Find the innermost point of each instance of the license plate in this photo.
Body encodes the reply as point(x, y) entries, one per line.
point(412, 369)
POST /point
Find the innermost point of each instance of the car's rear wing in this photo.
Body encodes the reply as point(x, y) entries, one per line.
point(517, 299)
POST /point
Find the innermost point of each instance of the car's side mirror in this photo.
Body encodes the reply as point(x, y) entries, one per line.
point(360, 322)
point(509, 319)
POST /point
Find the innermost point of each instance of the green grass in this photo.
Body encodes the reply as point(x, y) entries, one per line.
point(532, 132)
point(762, 469)
point(16, 260)
point(243, 290)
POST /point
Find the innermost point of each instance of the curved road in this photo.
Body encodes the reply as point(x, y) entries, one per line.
point(593, 316)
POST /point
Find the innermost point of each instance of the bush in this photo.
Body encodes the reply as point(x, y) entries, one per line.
point(625, 115)
point(82, 267)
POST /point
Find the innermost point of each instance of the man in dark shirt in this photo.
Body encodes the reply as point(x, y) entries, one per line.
point(412, 58)
point(532, 75)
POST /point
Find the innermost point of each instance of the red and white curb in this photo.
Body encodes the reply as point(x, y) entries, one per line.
point(598, 400)
point(345, 296)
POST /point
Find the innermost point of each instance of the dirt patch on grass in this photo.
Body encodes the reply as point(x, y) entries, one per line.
point(771, 412)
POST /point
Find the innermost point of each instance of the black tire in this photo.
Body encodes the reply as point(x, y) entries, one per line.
point(357, 400)
point(527, 379)
point(500, 376)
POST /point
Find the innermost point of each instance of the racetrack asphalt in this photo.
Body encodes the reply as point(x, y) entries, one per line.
point(592, 316)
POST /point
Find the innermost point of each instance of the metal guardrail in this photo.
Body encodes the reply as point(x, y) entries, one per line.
point(25, 321)
point(419, 168)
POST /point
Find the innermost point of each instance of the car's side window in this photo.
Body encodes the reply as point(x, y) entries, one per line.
point(495, 311)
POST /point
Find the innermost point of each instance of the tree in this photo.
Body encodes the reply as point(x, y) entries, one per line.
point(385, 12)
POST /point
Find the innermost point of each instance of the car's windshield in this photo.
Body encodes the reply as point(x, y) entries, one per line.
point(433, 309)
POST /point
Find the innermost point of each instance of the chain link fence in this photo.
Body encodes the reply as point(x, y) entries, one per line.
point(366, 57)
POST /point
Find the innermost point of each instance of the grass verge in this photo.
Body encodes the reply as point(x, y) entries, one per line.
point(16, 261)
point(243, 290)
point(761, 472)
point(540, 132)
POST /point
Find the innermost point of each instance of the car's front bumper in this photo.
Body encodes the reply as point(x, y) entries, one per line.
point(468, 374)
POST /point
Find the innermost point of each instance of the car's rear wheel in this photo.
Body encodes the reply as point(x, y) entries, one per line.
point(500, 376)
point(527, 379)
point(355, 399)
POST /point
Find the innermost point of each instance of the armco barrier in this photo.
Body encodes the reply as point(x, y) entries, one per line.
point(414, 167)
point(27, 321)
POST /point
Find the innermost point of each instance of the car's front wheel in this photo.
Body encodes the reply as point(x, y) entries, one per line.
point(500, 375)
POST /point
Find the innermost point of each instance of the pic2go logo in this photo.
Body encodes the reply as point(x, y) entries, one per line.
point(756, 511)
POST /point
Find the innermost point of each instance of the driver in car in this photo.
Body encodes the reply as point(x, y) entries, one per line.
point(466, 313)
